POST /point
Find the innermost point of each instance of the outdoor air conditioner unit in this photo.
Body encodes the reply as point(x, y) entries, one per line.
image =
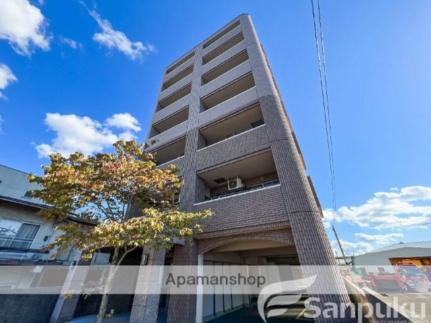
point(234, 183)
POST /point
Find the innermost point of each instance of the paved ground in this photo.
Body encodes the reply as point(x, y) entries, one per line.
point(250, 315)
point(244, 315)
point(416, 304)
point(119, 318)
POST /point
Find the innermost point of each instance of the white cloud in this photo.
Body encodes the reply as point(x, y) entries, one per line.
point(405, 208)
point(6, 78)
point(83, 134)
point(380, 239)
point(70, 42)
point(115, 39)
point(123, 121)
point(366, 243)
point(23, 26)
point(351, 248)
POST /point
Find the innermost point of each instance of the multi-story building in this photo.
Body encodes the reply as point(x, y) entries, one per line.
point(219, 117)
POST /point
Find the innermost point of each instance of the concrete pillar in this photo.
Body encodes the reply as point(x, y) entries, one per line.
point(199, 294)
point(145, 307)
point(182, 308)
point(64, 309)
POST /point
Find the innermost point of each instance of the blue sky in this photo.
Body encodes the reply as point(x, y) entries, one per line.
point(104, 60)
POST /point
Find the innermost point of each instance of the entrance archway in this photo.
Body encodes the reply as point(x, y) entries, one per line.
point(257, 249)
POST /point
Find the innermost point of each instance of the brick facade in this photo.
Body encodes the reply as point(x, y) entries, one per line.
point(288, 212)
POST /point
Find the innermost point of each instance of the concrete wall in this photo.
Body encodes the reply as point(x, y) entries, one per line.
point(26, 308)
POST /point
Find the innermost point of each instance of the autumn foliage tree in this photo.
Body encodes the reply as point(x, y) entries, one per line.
point(109, 188)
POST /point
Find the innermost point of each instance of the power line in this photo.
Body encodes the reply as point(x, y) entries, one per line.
point(321, 60)
point(320, 49)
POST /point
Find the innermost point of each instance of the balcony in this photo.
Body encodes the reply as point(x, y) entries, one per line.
point(179, 63)
point(232, 125)
point(177, 95)
point(225, 79)
point(171, 109)
point(228, 91)
point(178, 77)
point(169, 122)
point(170, 151)
point(221, 34)
point(222, 48)
point(169, 135)
point(15, 250)
point(224, 67)
point(247, 174)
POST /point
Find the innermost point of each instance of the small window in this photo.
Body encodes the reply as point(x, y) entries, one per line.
point(15, 234)
point(176, 199)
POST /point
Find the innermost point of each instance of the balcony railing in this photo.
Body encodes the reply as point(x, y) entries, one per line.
point(243, 190)
point(180, 62)
point(227, 91)
point(15, 250)
point(8, 242)
point(222, 48)
point(221, 34)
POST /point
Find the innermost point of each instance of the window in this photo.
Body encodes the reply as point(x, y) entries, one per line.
point(15, 234)
point(176, 198)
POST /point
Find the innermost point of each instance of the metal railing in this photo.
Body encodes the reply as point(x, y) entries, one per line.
point(242, 190)
point(17, 243)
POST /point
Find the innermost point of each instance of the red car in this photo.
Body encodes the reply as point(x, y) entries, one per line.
point(416, 279)
point(405, 279)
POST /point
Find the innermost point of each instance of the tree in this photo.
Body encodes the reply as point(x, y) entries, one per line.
point(109, 188)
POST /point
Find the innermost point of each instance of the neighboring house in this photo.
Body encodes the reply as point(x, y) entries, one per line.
point(24, 237)
point(408, 253)
point(24, 233)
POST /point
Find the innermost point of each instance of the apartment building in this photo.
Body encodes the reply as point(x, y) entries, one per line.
point(219, 117)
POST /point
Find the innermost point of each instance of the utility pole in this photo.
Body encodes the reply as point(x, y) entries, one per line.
point(339, 244)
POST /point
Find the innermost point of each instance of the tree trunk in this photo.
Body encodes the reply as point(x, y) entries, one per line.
point(105, 296)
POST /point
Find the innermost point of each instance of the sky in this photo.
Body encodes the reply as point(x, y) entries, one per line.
point(78, 75)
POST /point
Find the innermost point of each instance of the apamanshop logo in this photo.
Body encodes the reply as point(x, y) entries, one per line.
point(281, 294)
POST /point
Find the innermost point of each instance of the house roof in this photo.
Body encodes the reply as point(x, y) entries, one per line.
point(14, 185)
point(400, 245)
